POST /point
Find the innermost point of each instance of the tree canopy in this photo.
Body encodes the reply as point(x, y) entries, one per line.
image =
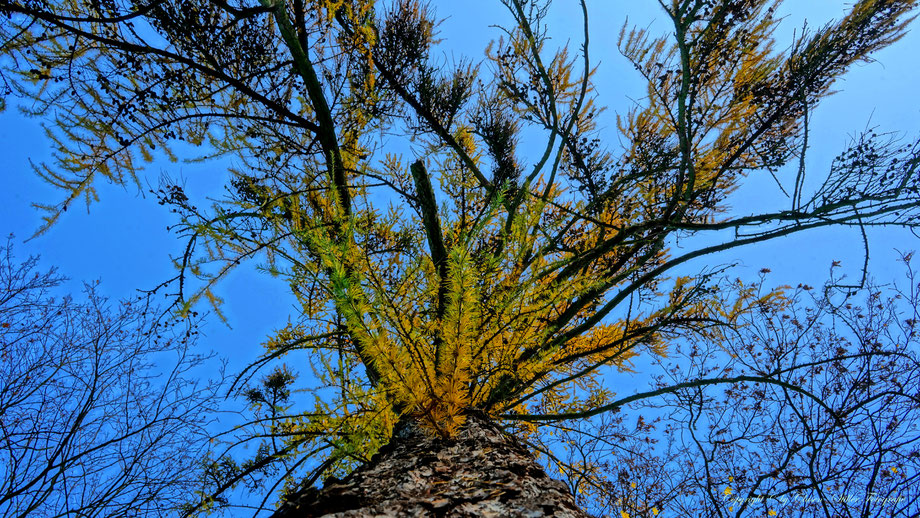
point(101, 413)
point(441, 269)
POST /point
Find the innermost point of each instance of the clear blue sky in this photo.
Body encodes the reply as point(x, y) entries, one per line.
point(124, 242)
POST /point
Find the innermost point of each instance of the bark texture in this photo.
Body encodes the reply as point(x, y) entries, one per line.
point(481, 472)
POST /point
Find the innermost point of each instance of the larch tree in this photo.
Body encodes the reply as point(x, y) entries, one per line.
point(465, 303)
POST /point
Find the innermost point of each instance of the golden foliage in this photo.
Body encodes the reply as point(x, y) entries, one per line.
point(546, 272)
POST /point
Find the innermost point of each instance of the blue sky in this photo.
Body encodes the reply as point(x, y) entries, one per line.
point(124, 241)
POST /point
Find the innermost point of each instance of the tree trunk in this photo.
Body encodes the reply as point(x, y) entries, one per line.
point(481, 472)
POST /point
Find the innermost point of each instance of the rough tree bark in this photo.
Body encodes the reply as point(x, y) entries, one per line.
point(482, 472)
